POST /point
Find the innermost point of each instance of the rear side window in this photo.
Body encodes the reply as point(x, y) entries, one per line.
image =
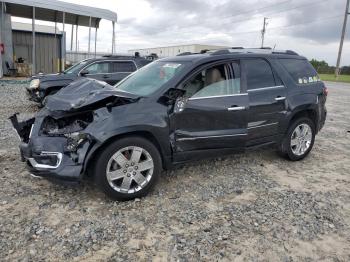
point(259, 74)
point(123, 67)
point(300, 70)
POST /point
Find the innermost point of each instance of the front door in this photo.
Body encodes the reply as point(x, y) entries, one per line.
point(267, 97)
point(213, 113)
point(99, 71)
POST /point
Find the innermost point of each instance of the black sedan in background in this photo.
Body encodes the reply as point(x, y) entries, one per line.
point(110, 69)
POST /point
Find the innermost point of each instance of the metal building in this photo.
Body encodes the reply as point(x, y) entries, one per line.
point(52, 11)
point(49, 43)
point(166, 51)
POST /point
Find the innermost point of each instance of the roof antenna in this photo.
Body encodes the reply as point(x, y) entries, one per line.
point(273, 49)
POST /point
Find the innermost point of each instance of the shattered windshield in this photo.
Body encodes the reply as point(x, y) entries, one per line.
point(150, 78)
point(75, 68)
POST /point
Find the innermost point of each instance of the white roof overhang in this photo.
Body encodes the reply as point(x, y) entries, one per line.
point(52, 11)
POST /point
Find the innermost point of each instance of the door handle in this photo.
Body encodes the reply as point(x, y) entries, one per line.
point(236, 108)
point(280, 98)
point(105, 76)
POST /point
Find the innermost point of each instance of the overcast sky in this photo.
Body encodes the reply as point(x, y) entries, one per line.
point(310, 27)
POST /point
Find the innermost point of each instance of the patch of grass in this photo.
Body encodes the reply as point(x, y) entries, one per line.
point(331, 77)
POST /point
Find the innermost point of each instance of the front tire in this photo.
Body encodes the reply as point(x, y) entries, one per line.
point(128, 168)
point(299, 139)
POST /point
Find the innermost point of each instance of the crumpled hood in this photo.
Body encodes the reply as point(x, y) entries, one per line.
point(83, 93)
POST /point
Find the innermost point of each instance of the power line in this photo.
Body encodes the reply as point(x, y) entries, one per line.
point(282, 27)
point(307, 22)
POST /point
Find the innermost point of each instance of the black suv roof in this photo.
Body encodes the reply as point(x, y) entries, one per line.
point(234, 52)
point(119, 57)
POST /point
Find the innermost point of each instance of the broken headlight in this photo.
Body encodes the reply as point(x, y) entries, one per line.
point(34, 84)
point(74, 140)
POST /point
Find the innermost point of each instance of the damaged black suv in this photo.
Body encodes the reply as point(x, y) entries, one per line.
point(172, 111)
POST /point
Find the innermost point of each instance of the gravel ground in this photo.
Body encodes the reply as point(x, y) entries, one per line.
point(249, 207)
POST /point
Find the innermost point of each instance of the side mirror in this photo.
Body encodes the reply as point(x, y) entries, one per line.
point(180, 104)
point(171, 96)
point(84, 72)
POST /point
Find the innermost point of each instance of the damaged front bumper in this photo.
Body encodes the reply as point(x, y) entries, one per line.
point(52, 157)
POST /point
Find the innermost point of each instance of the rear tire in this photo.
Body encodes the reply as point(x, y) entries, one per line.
point(128, 168)
point(299, 139)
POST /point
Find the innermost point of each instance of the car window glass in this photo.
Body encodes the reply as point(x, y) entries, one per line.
point(214, 81)
point(150, 78)
point(259, 74)
point(98, 68)
point(75, 68)
point(300, 70)
point(123, 67)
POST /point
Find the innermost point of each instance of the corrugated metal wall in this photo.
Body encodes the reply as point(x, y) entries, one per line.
point(47, 50)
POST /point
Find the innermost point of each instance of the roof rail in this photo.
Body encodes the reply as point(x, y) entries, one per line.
point(185, 53)
point(118, 56)
point(264, 50)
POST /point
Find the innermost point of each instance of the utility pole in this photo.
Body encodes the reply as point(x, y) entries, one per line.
point(347, 12)
point(263, 31)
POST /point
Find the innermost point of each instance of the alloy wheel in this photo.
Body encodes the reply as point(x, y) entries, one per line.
point(130, 169)
point(301, 139)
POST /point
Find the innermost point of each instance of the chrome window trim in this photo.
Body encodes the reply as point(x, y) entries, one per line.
point(43, 166)
point(102, 61)
point(205, 137)
point(265, 88)
point(206, 97)
point(271, 124)
point(31, 131)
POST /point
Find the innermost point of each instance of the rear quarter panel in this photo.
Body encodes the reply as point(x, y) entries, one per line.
point(300, 97)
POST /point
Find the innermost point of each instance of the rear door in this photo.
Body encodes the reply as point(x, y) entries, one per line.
point(213, 114)
point(267, 97)
point(121, 69)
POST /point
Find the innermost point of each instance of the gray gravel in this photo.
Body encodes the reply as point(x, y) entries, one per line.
point(254, 206)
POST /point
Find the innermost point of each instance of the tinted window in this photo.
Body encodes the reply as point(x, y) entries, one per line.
point(214, 81)
point(123, 66)
point(98, 68)
point(76, 68)
point(300, 70)
point(259, 74)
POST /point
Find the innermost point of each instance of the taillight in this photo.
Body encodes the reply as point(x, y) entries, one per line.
point(325, 91)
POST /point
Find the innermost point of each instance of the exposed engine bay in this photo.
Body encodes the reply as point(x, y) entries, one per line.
point(57, 141)
point(66, 125)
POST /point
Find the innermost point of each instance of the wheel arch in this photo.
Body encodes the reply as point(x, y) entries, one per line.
point(309, 112)
point(94, 151)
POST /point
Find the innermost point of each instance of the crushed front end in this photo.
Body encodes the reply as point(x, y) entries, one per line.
point(54, 147)
point(55, 143)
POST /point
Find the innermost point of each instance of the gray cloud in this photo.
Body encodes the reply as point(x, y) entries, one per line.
point(199, 17)
point(324, 31)
point(234, 23)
